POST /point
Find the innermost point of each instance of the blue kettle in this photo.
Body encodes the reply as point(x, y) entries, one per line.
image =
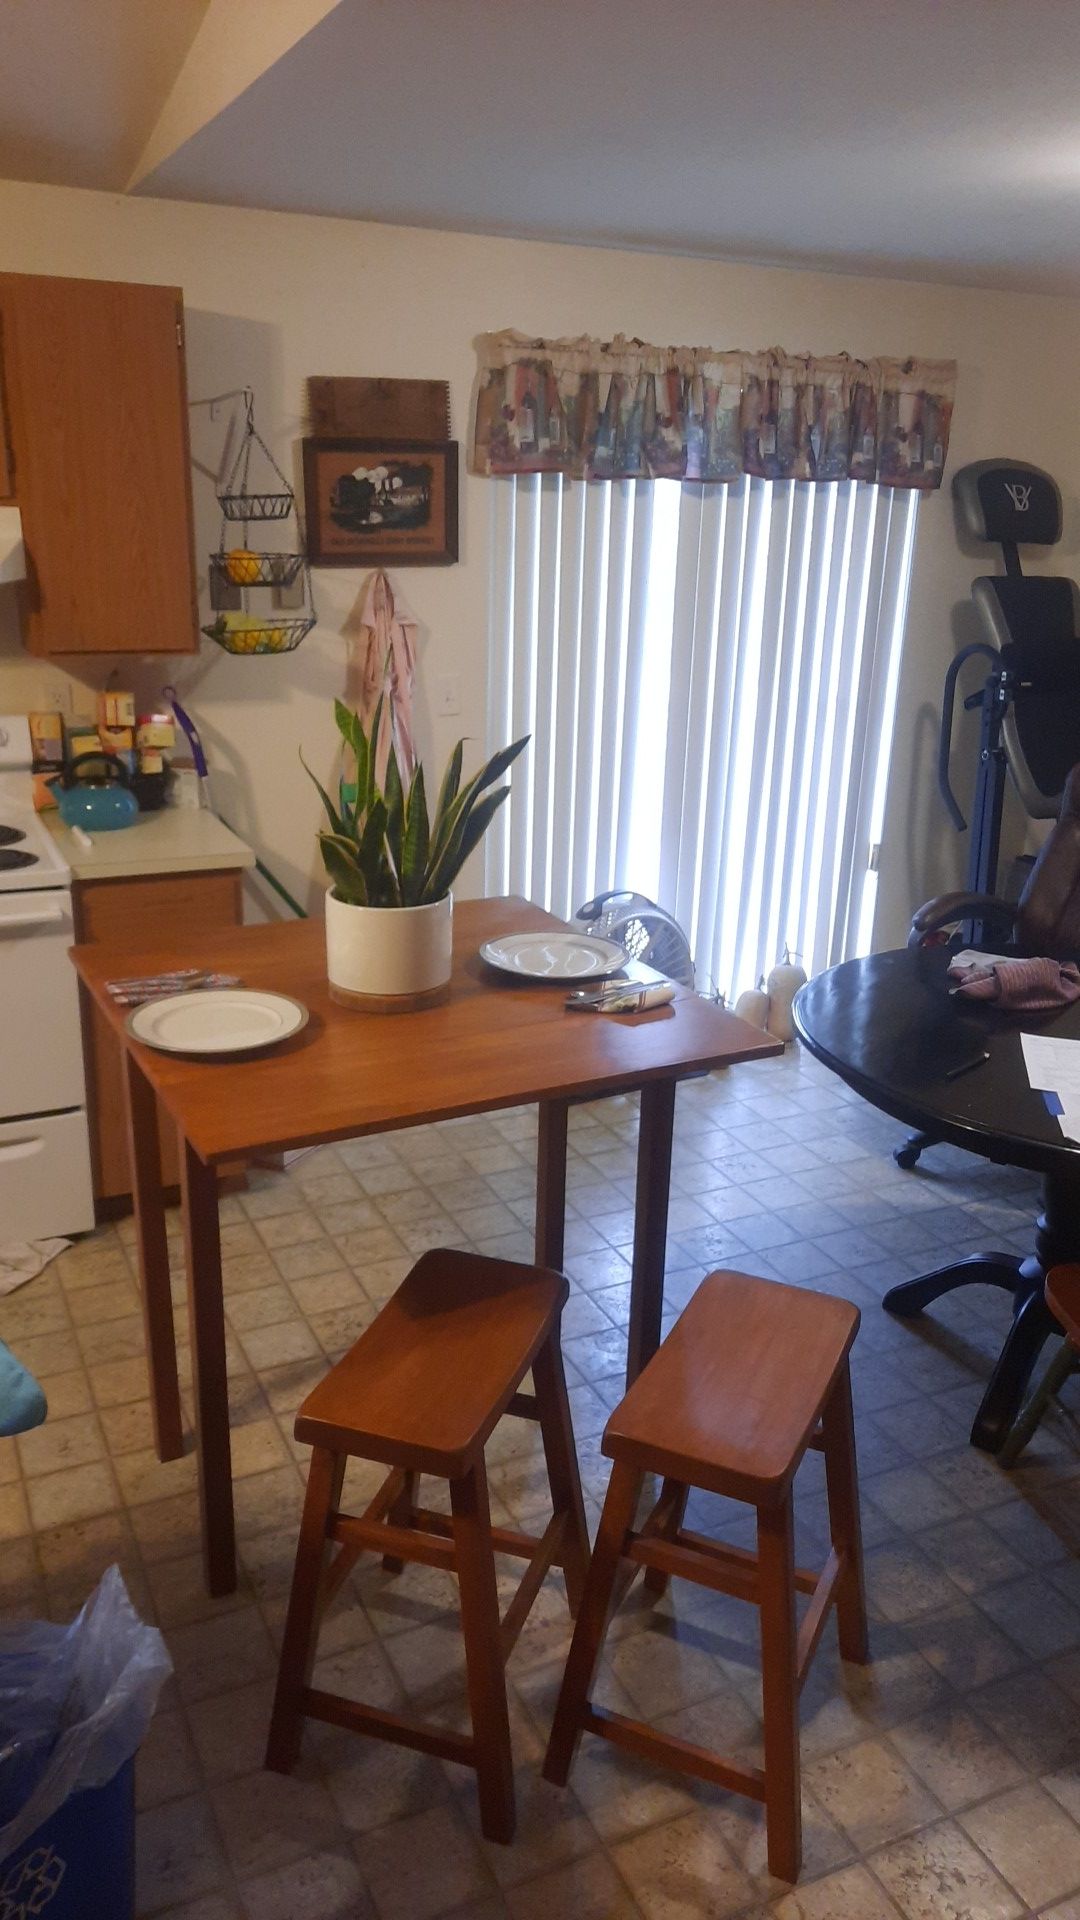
point(96, 794)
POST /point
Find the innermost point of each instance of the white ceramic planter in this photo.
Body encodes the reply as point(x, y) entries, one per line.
point(389, 959)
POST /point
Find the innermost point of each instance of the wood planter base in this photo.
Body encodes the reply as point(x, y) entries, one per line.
point(390, 1002)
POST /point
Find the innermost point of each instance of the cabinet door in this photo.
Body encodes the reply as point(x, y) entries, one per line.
point(93, 376)
point(112, 912)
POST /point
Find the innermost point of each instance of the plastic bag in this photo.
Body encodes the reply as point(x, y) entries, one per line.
point(75, 1704)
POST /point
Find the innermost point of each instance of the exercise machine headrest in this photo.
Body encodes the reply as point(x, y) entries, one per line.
point(1009, 501)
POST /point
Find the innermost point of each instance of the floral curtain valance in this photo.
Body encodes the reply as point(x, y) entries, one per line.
point(620, 409)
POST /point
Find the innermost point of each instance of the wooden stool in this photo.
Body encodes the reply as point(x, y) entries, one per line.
point(422, 1390)
point(751, 1375)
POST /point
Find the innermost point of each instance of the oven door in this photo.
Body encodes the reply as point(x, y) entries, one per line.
point(45, 1182)
point(41, 1063)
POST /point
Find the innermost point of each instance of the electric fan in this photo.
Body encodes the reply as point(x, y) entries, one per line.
point(646, 932)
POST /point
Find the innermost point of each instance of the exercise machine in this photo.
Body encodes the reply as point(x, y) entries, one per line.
point(1029, 702)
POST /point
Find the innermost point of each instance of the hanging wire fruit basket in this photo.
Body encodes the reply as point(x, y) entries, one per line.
point(270, 633)
point(244, 567)
point(234, 625)
point(256, 488)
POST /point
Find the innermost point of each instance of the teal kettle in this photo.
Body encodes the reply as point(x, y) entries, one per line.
point(96, 794)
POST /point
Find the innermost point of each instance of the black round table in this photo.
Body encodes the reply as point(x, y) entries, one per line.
point(890, 1028)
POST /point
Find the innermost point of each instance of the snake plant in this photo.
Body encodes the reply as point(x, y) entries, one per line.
point(382, 847)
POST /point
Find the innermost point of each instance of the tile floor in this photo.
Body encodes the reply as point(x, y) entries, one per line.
point(943, 1781)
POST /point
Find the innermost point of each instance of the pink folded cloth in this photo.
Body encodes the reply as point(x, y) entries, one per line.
point(1024, 986)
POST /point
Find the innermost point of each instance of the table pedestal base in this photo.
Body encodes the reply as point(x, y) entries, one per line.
point(1057, 1240)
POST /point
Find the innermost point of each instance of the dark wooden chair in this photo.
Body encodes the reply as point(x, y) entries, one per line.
point(422, 1390)
point(752, 1374)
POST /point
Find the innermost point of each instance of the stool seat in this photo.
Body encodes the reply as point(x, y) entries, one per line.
point(730, 1401)
point(426, 1384)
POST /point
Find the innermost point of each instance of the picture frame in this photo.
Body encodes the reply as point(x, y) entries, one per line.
point(381, 502)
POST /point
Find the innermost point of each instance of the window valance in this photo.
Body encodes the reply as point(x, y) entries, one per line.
point(619, 409)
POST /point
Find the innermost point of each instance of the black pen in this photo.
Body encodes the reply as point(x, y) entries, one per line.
point(979, 1061)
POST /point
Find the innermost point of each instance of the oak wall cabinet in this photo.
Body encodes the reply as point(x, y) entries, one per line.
point(95, 454)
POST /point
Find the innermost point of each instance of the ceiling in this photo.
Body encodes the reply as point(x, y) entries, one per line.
point(936, 139)
point(81, 84)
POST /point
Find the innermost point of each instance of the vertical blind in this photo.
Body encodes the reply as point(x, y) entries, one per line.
point(708, 674)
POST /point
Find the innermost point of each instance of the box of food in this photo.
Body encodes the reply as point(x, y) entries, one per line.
point(47, 739)
point(156, 730)
point(116, 709)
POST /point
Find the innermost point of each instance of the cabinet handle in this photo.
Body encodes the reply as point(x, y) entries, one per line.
point(21, 1149)
point(43, 917)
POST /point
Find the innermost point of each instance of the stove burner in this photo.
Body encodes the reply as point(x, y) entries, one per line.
point(11, 857)
point(9, 835)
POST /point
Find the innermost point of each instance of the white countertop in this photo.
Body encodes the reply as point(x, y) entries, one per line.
point(172, 840)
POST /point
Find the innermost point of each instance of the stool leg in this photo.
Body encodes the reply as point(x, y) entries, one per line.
point(325, 1476)
point(401, 1514)
point(483, 1652)
point(656, 1582)
point(776, 1574)
point(841, 1480)
point(557, 1432)
point(620, 1506)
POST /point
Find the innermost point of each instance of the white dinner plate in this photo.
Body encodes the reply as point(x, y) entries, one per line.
point(216, 1020)
point(554, 956)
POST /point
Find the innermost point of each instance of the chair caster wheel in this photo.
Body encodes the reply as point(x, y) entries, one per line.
point(906, 1157)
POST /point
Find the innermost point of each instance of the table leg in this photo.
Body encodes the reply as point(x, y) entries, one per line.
point(551, 1183)
point(650, 1223)
point(199, 1189)
point(144, 1158)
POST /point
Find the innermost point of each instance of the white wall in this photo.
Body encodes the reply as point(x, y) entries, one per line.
point(272, 298)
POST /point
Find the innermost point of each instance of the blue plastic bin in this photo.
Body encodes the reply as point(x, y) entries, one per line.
point(80, 1864)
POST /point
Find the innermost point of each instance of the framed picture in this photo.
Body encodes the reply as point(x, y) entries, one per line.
point(381, 502)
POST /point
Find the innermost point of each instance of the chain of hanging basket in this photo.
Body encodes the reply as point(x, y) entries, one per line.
point(236, 499)
point(243, 567)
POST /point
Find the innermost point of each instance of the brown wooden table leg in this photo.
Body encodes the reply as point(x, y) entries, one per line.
point(199, 1188)
point(140, 1106)
point(650, 1223)
point(551, 1183)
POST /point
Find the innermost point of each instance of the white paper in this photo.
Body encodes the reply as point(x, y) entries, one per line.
point(967, 957)
point(1053, 1065)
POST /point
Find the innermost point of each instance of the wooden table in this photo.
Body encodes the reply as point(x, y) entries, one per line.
point(497, 1042)
point(888, 1025)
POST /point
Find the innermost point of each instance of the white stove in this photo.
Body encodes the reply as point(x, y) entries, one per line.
point(29, 855)
point(45, 1179)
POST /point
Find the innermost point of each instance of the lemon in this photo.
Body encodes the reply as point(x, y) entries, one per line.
point(242, 567)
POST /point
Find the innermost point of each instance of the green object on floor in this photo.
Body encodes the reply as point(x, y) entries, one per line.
point(22, 1403)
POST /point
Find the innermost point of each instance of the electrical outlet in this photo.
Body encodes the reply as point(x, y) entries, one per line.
point(58, 697)
point(448, 695)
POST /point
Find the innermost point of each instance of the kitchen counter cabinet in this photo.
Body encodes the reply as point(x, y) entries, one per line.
point(95, 454)
point(165, 908)
point(173, 840)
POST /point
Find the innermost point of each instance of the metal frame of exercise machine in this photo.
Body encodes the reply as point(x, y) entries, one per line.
point(1031, 624)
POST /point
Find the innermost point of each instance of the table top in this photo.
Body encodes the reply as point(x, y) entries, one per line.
point(497, 1042)
point(889, 1027)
